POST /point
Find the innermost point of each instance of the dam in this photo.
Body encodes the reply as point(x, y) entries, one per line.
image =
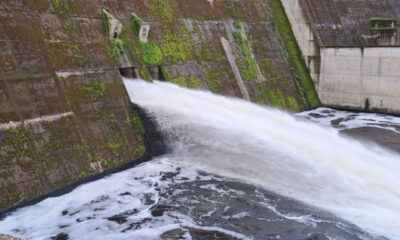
point(273, 111)
point(217, 147)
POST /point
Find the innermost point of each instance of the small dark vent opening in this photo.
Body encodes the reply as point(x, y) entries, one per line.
point(156, 73)
point(160, 74)
point(128, 72)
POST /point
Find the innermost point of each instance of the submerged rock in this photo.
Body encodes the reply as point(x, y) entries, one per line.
point(173, 234)
point(317, 236)
point(158, 210)
point(201, 234)
point(61, 236)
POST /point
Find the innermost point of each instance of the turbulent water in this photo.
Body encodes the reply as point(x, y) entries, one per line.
point(350, 120)
point(236, 171)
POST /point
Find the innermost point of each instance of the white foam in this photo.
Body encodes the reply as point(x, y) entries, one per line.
point(91, 204)
point(350, 120)
point(268, 147)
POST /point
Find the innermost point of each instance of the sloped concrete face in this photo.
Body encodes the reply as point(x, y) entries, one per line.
point(305, 37)
point(64, 112)
point(350, 76)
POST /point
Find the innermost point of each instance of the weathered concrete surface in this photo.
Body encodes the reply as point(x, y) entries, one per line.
point(56, 57)
point(235, 69)
point(350, 76)
point(305, 37)
point(340, 48)
point(64, 112)
point(347, 23)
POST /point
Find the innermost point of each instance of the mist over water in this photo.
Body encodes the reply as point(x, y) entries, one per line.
point(272, 149)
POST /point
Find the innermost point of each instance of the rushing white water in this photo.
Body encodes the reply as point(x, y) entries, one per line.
point(270, 148)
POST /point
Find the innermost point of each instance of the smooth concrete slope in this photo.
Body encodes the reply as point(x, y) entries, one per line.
point(352, 49)
point(64, 112)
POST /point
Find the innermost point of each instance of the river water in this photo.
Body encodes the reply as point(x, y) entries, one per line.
point(237, 170)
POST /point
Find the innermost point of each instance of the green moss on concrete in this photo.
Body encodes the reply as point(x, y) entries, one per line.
point(66, 26)
point(193, 82)
point(268, 67)
point(127, 121)
point(61, 6)
point(382, 19)
point(106, 23)
point(112, 51)
point(95, 88)
point(237, 23)
point(140, 151)
point(115, 148)
point(119, 44)
point(213, 80)
point(209, 52)
point(275, 97)
point(58, 78)
point(137, 23)
point(177, 51)
point(151, 53)
point(64, 45)
point(180, 80)
point(285, 35)
point(106, 113)
point(292, 104)
point(247, 65)
point(162, 10)
point(144, 74)
point(139, 123)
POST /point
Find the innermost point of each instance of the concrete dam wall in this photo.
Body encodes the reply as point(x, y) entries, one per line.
point(351, 49)
point(64, 112)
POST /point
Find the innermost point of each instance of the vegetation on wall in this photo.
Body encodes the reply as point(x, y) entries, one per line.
point(95, 88)
point(151, 53)
point(162, 10)
point(137, 22)
point(213, 80)
point(106, 23)
point(288, 41)
point(247, 65)
point(60, 6)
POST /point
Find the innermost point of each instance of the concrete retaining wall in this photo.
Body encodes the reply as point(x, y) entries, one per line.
point(350, 76)
point(345, 76)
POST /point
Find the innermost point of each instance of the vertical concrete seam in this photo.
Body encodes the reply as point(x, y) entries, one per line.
point(235, 69)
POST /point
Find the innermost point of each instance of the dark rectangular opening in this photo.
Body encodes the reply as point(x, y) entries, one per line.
point(128, 72)
point(160, 74)
point(156, 73)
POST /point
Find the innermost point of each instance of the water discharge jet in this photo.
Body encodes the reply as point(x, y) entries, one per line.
point(270, 148)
